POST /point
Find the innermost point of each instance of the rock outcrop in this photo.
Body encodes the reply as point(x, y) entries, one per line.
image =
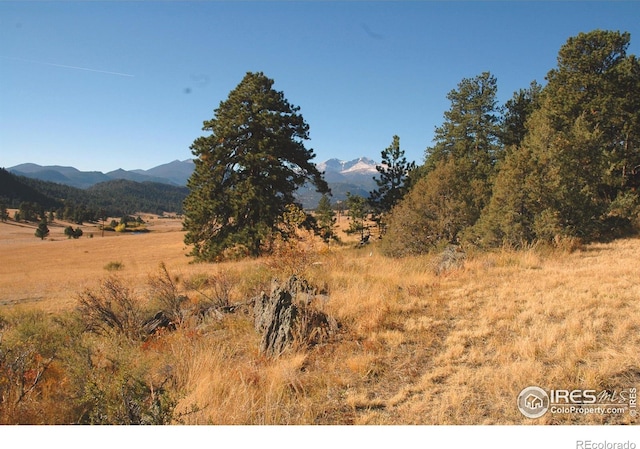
point(287, 318)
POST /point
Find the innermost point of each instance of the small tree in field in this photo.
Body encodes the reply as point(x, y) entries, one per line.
point(358, 211)
point(326, 217)
point(4, 213)
point(42, 230)
point(70, 232)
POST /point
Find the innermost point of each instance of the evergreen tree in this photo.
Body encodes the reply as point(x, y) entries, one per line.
point(578, 168)
point(516, 112)
point(470, 137)
point(597, 84)
point(471, 127)
point(358, 211)
point(247, 170)
point(432, 214)
point(4, 213)
point(28, 211)
point(42, 230)
point(508, 218)
point(73, 233)
point(459, 172)
point(326, 218)
point(510, 215)
point(393, 181)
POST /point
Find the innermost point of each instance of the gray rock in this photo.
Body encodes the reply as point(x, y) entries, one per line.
point(286, 317)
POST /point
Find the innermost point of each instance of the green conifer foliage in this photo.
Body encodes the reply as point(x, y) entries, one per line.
point(246, 171)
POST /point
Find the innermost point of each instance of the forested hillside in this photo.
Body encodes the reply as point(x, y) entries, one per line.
point(111, 198)
point(130, 196)
point(14, 190)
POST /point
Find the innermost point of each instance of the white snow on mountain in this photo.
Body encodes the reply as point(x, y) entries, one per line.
point(361, 165)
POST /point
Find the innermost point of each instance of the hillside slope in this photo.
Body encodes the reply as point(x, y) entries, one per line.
point(113, 198)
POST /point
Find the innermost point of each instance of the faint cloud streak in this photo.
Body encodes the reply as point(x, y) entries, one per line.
point(74, 67)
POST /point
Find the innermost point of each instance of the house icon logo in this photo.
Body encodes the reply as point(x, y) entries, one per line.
point(533, 402)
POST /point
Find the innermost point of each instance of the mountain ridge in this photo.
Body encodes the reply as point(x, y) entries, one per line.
point(354, 176)
point(116, 197)
point(177, 175)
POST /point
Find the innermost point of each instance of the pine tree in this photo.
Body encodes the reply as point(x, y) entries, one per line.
point(508, 218)
point(578, 168)
point(516, 112)
point(75, 233)
point(42, 230)
point(393, 181)
point(246, 171)
point(471, 127)
point(459, 172)
point(358, 211)
point(326, 218)
point(4, 213)
point(470, 138)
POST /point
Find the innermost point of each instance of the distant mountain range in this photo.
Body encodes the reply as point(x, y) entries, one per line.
point(355, 176)
point(174, 173)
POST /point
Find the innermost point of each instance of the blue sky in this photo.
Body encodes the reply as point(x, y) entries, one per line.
point(119, 84)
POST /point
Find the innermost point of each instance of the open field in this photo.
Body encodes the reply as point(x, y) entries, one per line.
point(52, 272)
point(414, 347)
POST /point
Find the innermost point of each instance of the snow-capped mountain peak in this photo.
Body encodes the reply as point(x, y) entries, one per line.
point(363, 165)
point(360, 165)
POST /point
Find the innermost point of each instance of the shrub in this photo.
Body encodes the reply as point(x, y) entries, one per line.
point(112, 309)
point(121, 387)
point(431, 215)
point(70, 232)
point(33, 351)
point(54, 372)
point(165, 290)
point(114, 266)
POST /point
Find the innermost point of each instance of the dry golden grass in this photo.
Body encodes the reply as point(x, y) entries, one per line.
point(414, 347)
point(50, 274)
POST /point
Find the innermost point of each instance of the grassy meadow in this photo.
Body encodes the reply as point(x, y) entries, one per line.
point(413, 347)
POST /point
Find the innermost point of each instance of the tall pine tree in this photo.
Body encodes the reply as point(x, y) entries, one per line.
point(393, 179)
point(460, 169)
point(246, 171)
point(577, 170)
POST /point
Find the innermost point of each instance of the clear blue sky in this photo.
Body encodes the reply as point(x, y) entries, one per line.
point(118, 84)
